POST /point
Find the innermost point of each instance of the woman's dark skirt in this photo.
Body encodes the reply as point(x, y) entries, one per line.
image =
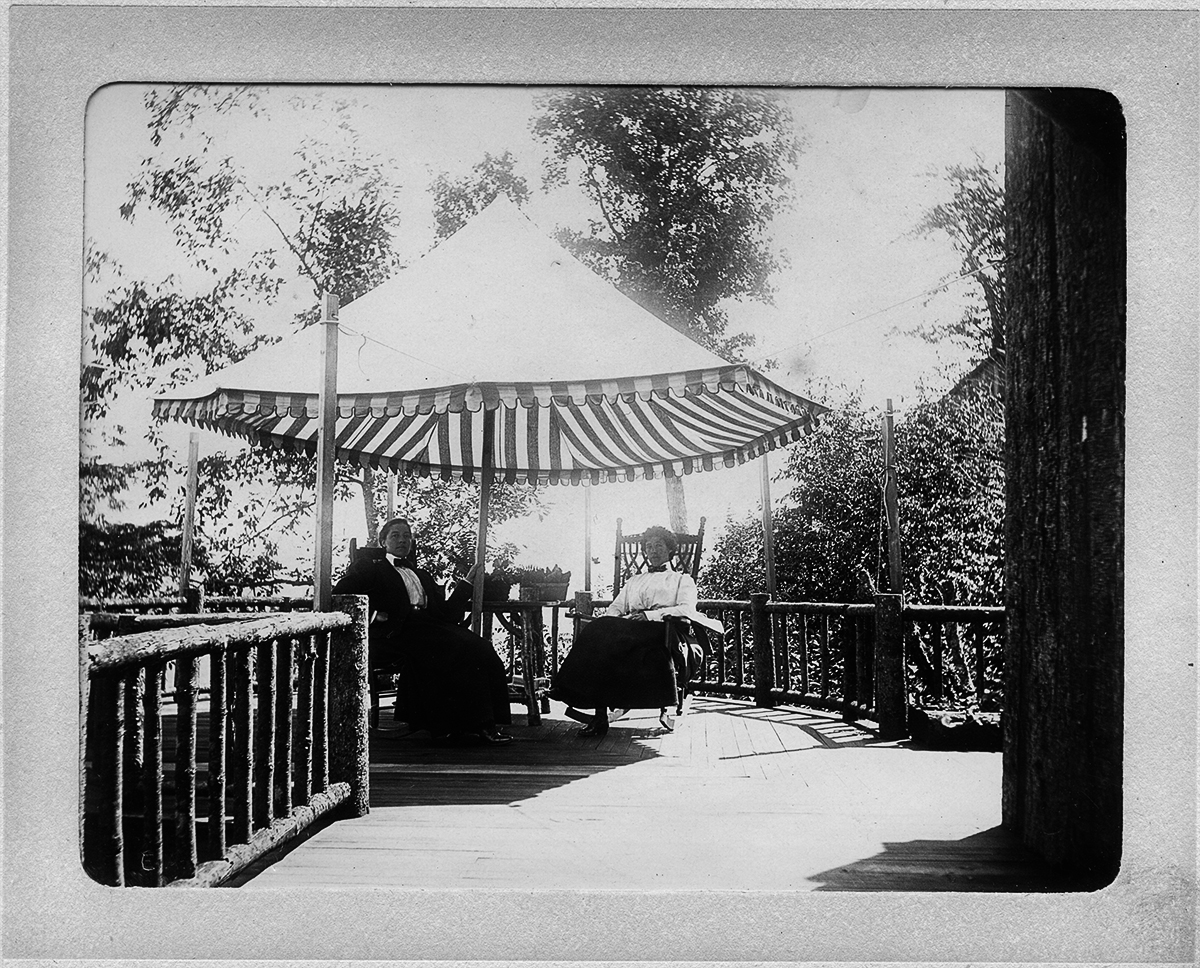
point(451, 680)
point(619, 663)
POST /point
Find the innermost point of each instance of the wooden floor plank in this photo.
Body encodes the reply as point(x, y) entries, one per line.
point(735, 798)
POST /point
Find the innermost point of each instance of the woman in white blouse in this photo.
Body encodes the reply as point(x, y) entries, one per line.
point(620, 660)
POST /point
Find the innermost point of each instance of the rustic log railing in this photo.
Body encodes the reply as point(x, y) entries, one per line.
point(817, 654)
point(286, 739)
point(867, 661)
point(955, 653)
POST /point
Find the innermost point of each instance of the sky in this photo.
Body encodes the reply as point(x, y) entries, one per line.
point(855, 285)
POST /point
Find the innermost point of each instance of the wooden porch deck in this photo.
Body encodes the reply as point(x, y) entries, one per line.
point(737, 798)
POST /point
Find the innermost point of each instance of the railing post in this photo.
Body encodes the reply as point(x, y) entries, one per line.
point(764, 677)
point(349, 704)
point(891, 703)
point(193, 597)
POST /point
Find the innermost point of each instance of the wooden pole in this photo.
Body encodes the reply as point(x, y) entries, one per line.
point(485, 496)
point(891, 507)
point(768, 527)
point(391, 495)
point(587, 538)
point(189, 512)
point(326, 448)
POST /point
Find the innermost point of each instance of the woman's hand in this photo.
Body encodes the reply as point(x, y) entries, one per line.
point(637, 617)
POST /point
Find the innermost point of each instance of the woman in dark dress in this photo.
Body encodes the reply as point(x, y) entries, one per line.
point(451, 680)
point(620, 660)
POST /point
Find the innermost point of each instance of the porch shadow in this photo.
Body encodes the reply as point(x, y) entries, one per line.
point(992, 860)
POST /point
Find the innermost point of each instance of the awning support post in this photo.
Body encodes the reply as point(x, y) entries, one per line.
point(485, 496)
point(326, 449)
point(768, 526)
point(189, 513)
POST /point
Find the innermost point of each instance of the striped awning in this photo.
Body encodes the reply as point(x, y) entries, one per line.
point(500, 319)
point(551, 433)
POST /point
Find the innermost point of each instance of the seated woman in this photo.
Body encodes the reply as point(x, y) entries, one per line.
point(451, 680)
point(620, 659)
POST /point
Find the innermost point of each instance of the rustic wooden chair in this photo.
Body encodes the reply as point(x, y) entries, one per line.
point(628, 560)
point(382, 677)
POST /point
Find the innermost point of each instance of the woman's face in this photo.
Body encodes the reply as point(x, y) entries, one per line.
point(398, 540)
point(656, 551)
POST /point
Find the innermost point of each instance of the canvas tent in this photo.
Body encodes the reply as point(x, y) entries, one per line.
point(498, 334)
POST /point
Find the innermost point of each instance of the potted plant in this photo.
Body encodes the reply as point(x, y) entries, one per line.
point(497, 583)
point(542, 584)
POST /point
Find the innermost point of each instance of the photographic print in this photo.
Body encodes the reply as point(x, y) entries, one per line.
point(602, 514)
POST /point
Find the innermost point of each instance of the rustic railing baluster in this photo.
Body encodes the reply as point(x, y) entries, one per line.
point(825, 657)
point(243, 747)
point(938, 659)
point(726, 619)
point(321, 711)
point(304, 716)
point(980, 660)
point(803, 623)
point(783, 670)
point(218, 726)
point(265, 737)
point(284, 671)
point(186, 683)
point(107, 740)
point(738, 650)
point(152, 777)
point(134, 754)
point(847, 642)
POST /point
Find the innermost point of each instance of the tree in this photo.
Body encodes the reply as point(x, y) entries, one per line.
point(973, 219)
point(685, 182)
point(456, 200)
point(828, 540)
point(329, 220)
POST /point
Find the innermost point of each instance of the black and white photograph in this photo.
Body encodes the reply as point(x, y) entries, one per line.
point(583, 514)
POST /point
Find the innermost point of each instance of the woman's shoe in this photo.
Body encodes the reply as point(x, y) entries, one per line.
point(593, 729)
point(495, 737)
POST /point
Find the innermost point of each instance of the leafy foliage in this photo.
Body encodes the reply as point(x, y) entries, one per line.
point(973, 219)
point(829, 543)
point(119, 561)
point(456, 200)
point(333, 216)
point(686, 182)
point(445, 518)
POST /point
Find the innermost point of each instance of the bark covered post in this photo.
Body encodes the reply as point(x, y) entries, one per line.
point(1065, 427)
point(349, 704)
point(891, 703)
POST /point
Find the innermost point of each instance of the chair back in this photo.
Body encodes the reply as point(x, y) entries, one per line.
point(366, 551)
point(628, 559)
